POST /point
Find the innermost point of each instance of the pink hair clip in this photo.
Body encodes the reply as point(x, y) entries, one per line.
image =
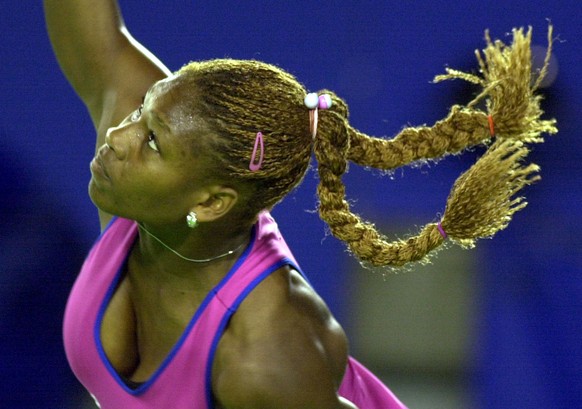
point(253, 164)
point(315, 102)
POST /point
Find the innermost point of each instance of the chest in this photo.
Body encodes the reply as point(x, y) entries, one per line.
point(143, 322)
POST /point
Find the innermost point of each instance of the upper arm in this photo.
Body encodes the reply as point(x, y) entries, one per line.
point(255, 394)
point(302, 383)
point(277, 378)
point(108, 69)
point(282, 349)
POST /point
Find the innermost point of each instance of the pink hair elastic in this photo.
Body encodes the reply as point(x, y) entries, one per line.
point(315, 102)
point(441, 230)
point(253, 165)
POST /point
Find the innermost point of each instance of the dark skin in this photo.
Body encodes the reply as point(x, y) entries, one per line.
point(283, 348)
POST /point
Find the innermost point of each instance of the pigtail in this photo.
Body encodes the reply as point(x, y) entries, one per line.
point(483, 199)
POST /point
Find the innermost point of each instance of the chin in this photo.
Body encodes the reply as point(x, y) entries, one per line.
point(102, 200)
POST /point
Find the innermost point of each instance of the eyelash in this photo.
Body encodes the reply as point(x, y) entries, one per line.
point(152, 139)
point(152, 143)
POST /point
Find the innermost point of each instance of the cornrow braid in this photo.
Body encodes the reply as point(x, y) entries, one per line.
point(482, 201)
point(237, 99)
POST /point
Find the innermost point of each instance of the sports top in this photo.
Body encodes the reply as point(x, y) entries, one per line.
point(183, 380)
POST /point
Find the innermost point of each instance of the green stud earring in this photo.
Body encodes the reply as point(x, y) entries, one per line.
point(192, 220)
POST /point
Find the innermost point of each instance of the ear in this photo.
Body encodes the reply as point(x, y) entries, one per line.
point(217, 202)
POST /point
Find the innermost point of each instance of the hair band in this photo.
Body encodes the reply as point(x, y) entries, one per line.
point(314, 103)
point(441, 230)
point(254, 166)
point(491, 125)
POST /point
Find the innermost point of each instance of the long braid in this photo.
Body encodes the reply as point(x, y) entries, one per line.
point(482, 200)
point(462, 128)
point(364, 240)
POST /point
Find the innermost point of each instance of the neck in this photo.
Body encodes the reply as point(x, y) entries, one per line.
point(179, 250)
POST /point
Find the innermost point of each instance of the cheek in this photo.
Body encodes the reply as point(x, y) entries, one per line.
point(139, 193)
point(157, 195)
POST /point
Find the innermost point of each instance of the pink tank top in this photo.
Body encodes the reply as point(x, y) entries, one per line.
point(183, 381)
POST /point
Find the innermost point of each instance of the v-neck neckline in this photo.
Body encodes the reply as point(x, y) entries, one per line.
point(143, 387)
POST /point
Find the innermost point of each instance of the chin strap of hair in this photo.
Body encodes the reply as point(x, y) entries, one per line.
point(315, 102)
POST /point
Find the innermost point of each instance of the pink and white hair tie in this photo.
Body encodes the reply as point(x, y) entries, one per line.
point(315, 102)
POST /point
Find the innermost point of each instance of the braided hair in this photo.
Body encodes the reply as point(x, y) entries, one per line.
point(240, 98)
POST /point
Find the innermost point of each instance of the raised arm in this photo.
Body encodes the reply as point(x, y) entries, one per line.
point(108, 69)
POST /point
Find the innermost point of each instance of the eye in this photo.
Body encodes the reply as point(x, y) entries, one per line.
point(152, 143)
point(137, 113)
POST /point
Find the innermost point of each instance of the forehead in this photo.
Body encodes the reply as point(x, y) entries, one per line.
point(173, 100)
point(167, 95)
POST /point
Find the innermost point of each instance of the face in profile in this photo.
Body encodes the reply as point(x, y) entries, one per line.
point(148, 170)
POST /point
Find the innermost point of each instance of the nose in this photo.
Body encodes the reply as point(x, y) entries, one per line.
point(118, 140)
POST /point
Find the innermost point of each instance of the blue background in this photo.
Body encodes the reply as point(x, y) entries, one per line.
point(381, 57)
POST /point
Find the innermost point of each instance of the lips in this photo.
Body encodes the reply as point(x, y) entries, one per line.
point(97, 165)
point(97, 169)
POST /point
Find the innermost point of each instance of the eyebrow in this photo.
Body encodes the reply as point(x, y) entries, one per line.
point(158, 119)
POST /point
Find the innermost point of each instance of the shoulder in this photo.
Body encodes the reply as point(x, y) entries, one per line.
point(282, 349)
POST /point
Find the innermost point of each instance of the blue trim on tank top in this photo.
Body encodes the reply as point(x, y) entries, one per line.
point(99, 321)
